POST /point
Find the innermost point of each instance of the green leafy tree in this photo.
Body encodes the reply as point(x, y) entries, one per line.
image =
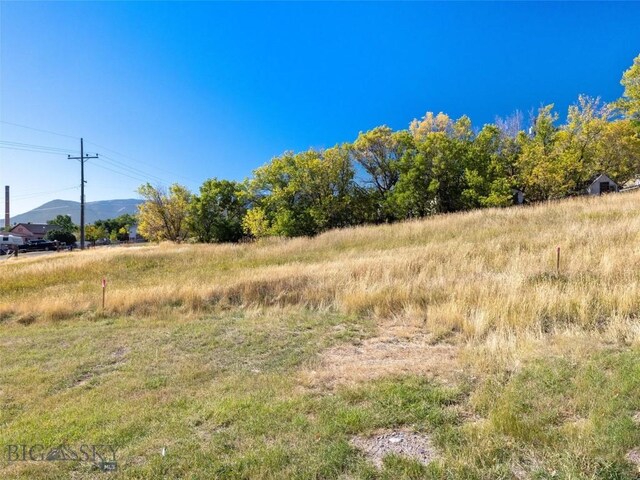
point(303, 194)
point(449, 157)
point(415, 194)
point(117, 228)
point(379, 152)
point(547, 171)
point(63, 223)
point(61, 236)
point(216, 214)
point(95, 232)
point(561, 161)
point(116, 235)
point(581, 139)
point(164, 215)
point(432, 174)
point(618, 152)
point(433, 179)
point(629, 104)
point(489, 170)
point(63, 231)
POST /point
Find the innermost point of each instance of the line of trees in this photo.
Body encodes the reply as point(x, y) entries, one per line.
point(437, 165)
point(115, 229)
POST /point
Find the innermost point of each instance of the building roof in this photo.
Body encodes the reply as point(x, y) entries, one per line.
point(36, 228)
point(597, 177)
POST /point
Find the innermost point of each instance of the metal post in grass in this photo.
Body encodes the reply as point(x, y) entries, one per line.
point(104, 289)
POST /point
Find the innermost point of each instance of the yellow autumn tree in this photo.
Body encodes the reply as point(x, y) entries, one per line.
point(164, 214)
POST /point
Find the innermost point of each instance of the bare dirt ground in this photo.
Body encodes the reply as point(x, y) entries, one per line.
point(396, 350)
point(634, 457)
point(402, 443)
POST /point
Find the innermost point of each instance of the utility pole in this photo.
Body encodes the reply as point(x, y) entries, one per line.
point(7, 215)
point(83, 158)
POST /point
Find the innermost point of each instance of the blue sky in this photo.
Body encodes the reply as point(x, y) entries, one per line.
point(180, 92)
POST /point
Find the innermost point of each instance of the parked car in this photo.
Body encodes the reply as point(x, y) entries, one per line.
point(38, 246)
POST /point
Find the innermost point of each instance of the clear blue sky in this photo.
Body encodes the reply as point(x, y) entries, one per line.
point(188, 91)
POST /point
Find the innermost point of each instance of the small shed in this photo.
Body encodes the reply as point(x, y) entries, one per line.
point(601, 184)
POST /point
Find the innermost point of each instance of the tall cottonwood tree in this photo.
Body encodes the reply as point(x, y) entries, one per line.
point(432, 176)
point(302, 194)
point(379, 152)
point(543, 174)
point(216, 214)
point(489, 172)
point(618, 154)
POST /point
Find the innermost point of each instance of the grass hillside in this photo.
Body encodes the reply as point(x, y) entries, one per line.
point(264, 360)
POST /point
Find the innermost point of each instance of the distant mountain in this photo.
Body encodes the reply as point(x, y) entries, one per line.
point(100, 210)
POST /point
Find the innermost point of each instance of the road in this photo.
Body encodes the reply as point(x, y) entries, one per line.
point(30, 255)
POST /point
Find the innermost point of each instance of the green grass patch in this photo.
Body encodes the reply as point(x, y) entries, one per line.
point(221, 395)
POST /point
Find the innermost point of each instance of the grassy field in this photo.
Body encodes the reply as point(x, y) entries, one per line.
point(264, 360)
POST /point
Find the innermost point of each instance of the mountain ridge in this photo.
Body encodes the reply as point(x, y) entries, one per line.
point(98, 210)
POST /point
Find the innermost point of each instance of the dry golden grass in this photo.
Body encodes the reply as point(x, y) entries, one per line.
point(487, 278)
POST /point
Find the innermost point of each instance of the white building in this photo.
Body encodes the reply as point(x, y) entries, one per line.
point(133, 232)
point(601, 184)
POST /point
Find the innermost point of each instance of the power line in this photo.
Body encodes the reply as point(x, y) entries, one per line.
point(32, 150)
point(30, 145)
point(143, 180)
point(131, 170)
point(136, 171)
point(37, 129)
point(52, 150)
point(38, 194)
point(139, 161)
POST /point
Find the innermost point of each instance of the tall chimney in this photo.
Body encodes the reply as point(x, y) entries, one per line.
point(7, 216)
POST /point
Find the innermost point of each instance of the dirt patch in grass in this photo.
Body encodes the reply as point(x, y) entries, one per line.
point(115, 360)
point(118, 354)
point(396, 351)
point(634, 457)
point(412, 445)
